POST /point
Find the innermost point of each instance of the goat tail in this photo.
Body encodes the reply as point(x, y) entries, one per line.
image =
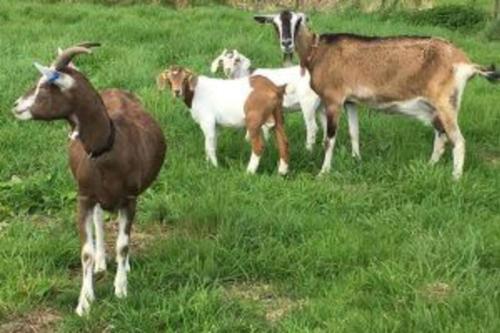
point(490, 73)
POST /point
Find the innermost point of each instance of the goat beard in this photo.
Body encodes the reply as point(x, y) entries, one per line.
point(287, 59)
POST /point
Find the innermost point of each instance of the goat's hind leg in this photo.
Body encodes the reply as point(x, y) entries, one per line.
point(353, 122)
point(125, 219)
point(254, 125)
point(447, 116)
point(85, 215)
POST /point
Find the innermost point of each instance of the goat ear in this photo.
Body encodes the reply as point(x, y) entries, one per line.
point(192, 80)
point(215, 64)
point(263, 18)
point(62, 80)
point(161, 81)
point(303, 18)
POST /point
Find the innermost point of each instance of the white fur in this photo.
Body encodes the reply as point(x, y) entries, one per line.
point(219, 102)
point(122, 262)
point(463, 72)
point(253, 164)
point(327, 163)
point(282, 167)
point(415, 108)
point(100, 250)
point(352, 115)
point(87, 291)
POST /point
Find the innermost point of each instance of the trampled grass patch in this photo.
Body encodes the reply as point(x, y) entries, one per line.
point(385, 244)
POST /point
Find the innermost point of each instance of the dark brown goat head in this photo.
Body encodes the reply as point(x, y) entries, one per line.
point(178, 79)
point(51, 98)
point(286, 24)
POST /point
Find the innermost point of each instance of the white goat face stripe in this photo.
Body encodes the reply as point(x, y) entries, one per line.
point(287, 43)
point(22, 111)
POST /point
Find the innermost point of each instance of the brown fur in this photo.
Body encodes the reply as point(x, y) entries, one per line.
point(374, 71)
point(264, 104)
point(124, 170)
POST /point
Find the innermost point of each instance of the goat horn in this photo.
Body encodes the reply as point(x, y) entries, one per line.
point(88, 45)
point(67, 55)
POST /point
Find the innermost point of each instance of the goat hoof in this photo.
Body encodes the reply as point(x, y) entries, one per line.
point(121, 292)
point(283, 168)
point(100, 264)
point(83, 307)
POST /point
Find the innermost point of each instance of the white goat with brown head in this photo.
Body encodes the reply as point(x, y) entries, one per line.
point(423, 77)
point(249, 102)
point(116, 153)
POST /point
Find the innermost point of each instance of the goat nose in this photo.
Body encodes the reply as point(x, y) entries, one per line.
point(287, 43)
point(177, 93)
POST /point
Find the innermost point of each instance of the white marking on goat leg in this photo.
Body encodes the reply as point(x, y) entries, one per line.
point(100, 253)
point(353, 122)
point(439, 147)
point(253, 164)
point(327, 163)
point(458, 153)
point(265, 131)
point(463, 72)
point(122, 255)
point(210, 133)
point(87, 257)
point(282, 167)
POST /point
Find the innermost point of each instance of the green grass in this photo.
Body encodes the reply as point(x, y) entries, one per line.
point(388, 244)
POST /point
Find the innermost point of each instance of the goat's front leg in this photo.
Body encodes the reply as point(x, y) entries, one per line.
point(100, 251)
point(210, 132)
point(84, 220)
point(333, 111)
point(353, 122)
point(125, 219)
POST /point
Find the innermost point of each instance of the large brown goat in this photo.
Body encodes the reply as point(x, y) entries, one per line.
point(116, 153)
point(423, 77)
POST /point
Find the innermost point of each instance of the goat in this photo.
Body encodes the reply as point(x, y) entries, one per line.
point(423, 77)
point(250, 102)
point(117, 152)
point(298, 94)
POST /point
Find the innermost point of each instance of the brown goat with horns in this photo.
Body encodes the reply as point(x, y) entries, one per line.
point(116, 152)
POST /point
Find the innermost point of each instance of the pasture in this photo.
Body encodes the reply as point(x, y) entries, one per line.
point(385, 244)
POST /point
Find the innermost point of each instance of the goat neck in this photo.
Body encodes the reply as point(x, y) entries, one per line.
point(94, 126)
point(305, 42)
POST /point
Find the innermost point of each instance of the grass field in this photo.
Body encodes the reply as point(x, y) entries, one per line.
point(388, 244)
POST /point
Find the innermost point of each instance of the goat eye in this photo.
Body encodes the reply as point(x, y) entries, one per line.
point(237, 60)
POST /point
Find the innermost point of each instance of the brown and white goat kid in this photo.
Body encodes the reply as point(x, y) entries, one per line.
point(423, 77)
point(249, 102)
point(116, 154)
